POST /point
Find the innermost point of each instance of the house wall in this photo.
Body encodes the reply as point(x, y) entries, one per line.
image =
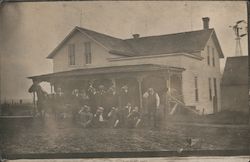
point(99, 54)
point(193, 67)
point(235, 98)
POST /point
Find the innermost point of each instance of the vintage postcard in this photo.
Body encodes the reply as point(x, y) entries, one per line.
point(123, 79)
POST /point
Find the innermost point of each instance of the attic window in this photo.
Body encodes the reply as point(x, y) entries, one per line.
point(87, 46)
point(71, 54)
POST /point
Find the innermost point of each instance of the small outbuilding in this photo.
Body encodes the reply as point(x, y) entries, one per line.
point(234, 86)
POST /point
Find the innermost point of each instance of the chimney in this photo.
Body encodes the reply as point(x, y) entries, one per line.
point(205, 23)
point(135, 36)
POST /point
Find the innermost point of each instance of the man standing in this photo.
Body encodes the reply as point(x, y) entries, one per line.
point(152, 103)
point(111, 100)
point(92, 98)
point(100, 96)
point(75, 104)
point(125, 96)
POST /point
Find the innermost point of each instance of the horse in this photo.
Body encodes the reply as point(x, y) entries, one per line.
point(41, 98)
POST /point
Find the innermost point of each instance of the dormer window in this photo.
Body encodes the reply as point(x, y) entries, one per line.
point(71, 54)
point(87, 53)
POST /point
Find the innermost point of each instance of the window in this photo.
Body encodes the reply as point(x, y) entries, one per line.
point(87, 46)
point(71, 52)
point(213, 57)
point(196, 88)
point(208, 55)
point(215, 87)
point(210, 89)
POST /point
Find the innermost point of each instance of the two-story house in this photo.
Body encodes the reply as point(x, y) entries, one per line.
point(184, 64)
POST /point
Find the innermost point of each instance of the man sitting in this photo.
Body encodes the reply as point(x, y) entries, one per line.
point(112, 116)
point(134, 118)
point(98, 120)
point(122, 116)
point(85, 116)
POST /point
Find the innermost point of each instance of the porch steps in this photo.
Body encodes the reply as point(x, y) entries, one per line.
point(178, 102)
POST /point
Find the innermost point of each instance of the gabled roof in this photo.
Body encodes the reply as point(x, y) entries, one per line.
point(236, 71)
point(112, 44)
point(186, 42)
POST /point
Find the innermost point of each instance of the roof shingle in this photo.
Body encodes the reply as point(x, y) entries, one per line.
point(188, 42)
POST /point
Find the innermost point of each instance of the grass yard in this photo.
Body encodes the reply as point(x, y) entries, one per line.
point(50, 136)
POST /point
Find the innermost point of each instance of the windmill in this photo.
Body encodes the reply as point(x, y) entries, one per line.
point(237, 28)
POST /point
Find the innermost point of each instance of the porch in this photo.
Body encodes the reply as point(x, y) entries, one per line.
point(165, 80)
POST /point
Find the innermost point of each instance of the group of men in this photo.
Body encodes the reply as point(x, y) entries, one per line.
point(101, 107)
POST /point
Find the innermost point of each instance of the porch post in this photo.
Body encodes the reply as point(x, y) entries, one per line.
point(169, 82)
point(139, 80)
point(113, 80)
point(167, 93)
point(51, 88)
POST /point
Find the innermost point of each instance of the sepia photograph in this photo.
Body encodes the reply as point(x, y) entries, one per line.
point(123, 78)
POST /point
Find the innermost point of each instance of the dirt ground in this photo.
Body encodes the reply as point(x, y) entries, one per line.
point(50, 136)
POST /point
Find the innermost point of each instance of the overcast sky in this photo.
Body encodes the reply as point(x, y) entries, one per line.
point(30, 31)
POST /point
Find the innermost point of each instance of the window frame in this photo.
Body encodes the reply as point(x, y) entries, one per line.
point(210, 89)
point(196, 88)
point(71, 55)
point(208, 55)
point(213, 57)
point(87, 53)
point(215, 87)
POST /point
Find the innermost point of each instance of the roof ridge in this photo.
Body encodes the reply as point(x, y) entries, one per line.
point(81, 28)
point(191, 31)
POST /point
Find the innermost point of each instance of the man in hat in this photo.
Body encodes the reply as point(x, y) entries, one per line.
point(85, 116)
point(98, 120)
point(111, 100)
point(134, 118)
point(152, 104)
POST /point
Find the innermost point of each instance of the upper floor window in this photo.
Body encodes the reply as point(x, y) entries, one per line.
point(196, 88)
point(87, 53)
point(71, 54)
point(213, 59)
point(215, 87)
point(210, 89)
point(208, 55)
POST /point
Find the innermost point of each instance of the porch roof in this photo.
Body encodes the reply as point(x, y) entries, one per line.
point(106, 70)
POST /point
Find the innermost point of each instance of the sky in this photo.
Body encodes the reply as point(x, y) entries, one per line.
point(29, 31)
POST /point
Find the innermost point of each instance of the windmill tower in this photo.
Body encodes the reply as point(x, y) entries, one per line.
point(237, 28)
